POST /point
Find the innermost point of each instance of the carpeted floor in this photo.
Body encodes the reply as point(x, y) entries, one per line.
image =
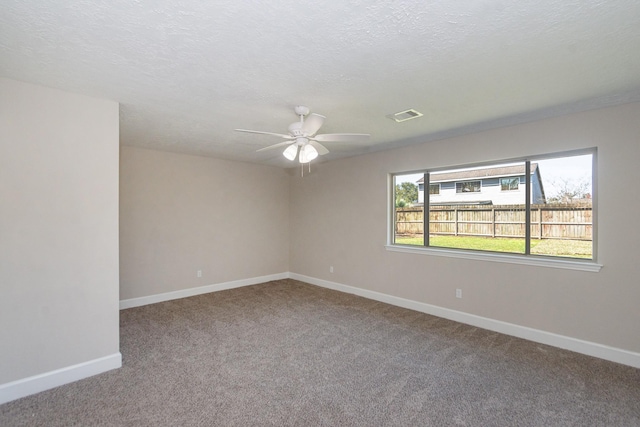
point(286, 353)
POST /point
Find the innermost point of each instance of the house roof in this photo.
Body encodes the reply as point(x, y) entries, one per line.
point(470, 174)
point(187, 73)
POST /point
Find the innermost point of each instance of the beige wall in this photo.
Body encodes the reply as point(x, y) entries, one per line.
point(339, 218)
point(180, 214)
point(58, 229)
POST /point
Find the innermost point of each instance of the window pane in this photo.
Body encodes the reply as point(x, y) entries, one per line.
point(509, 184)
point(485, 208)
point(409, 209)
point(468, 187)
point(476, 213)
point(561, 214)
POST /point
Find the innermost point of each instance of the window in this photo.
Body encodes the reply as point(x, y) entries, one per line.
point(551, 215)
point(509, 184)
point(468, 187)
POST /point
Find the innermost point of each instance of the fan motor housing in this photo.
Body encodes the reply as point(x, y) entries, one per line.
point(295, 129)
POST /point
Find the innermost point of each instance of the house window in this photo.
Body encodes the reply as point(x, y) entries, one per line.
point(551, 215)
point(468, 187)
point(509, 184)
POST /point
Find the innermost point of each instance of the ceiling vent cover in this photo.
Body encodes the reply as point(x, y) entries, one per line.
point(403, 116)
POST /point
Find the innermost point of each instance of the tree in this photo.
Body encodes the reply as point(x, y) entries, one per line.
point(406, 192)
point(569, 191)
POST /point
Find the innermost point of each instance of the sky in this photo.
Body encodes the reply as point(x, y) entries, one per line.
point(575, 169)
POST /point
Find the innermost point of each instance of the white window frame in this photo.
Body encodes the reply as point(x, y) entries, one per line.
point(534, 260)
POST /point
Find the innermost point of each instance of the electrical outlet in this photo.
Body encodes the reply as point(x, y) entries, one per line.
point(199, 273)
point(458, 293)
point(331, 269)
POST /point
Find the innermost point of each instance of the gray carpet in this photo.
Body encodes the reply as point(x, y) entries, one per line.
point(286, 353)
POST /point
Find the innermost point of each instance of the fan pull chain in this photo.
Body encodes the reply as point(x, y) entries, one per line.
point(302, 169)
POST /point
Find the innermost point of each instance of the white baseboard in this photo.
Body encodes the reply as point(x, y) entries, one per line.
point(184, 293)
point(37, 383)
point(601, 351)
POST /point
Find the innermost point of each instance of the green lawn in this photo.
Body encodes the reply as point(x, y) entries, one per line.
point(568, 248)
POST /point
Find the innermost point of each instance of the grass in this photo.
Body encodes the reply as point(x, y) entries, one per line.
point(566, 248)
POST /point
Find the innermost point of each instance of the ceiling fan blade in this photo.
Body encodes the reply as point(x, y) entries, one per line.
point(312, 123)
point(265, 133)
point(279, 144)
point(343, 137)
point(321, 149)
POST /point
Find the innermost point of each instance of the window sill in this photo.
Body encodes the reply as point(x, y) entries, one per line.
point(568, 264)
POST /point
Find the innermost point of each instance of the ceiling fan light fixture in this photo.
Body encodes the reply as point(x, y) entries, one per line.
point(307, 153)
point(291, 152)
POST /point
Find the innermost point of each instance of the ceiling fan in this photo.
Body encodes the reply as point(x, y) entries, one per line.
point(302, 138)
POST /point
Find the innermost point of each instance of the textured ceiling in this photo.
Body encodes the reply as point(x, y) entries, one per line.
point(188, 72)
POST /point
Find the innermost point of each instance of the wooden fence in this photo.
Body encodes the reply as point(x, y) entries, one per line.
point(547, 221)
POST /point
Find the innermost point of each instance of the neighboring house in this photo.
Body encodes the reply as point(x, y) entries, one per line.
point(503, 185)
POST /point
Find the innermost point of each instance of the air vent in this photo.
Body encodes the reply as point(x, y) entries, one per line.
point(403, 116)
